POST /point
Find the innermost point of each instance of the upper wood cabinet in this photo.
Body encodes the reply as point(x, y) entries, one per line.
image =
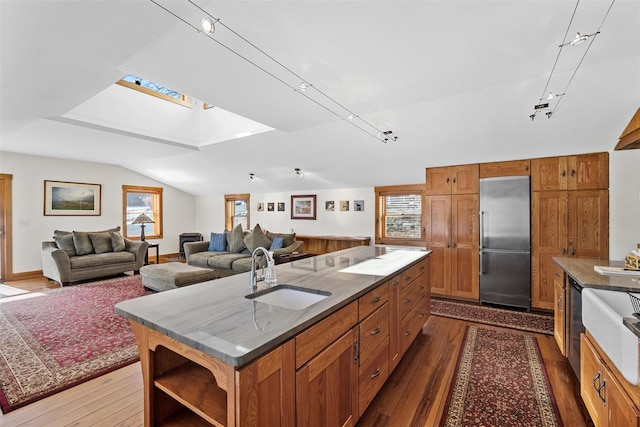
point(581, 172)
point(453, 180)
point(510, 168)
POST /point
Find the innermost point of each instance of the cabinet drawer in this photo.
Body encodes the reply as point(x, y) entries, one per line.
point(368, 303)
point(410, 296)
point(412, 324)
point(373, 373)
point(412, 273)
point(311, 341)
point(373, 331)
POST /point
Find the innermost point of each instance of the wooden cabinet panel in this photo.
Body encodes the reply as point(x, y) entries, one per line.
point(591, 377)
point(588, 224)
point(549, 173)
point(465, 179)
point(412, 324)
point(327, 386)
point(373, 300)
point(559, 314)
point(622, 411)
point(588, 171)
point(373, 331)
point(317, 245)
point(374, 371)
point(465, 241)
point(438, 180)
point(509, 168)
point(438, 239)
point(409, 298)
point(394, 322)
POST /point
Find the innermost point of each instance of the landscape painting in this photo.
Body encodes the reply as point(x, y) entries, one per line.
point(72, 198)
point(303, 207)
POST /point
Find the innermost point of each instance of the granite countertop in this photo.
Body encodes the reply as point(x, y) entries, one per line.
point(581, 269)
point(216, 318)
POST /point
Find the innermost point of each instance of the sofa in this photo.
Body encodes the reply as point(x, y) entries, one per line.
point(78, 255)
point(230, 252)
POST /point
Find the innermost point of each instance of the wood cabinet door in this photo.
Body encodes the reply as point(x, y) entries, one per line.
point(465, 240)
point(438, 239)
point(622, 411)
point(549, 173)
point(438, 180)
point(394, 322)
point(588, 171)
point(465, 179)
point(591, 377)
point(559, 314)
point(510, 168)
point(327, 386)
point(548, 239)
point(266, 389)
point(588, 225)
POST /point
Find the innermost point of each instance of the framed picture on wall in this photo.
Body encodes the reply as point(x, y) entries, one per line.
point(72, 198)
point(260, 206)
point(303, 207)
point(358, 205)
point(270, 206)
point(344, 205)
point(330, 205)
point(280, 206)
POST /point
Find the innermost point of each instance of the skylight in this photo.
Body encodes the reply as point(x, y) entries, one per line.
point(151, 88)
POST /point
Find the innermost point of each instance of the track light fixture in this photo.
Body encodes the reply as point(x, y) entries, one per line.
point(207, 25)
point(580, 38)
point(299, 172)
point(252, 176)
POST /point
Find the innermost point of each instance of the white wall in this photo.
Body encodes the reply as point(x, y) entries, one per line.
point(624, 202)
point(210, 214)
point(31, 227)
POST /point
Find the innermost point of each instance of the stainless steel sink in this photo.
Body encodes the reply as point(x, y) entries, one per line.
point(602, 314)
point(289, 296)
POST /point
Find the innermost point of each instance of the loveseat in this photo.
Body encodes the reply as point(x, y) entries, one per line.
point(230, 252)
point(78, 255)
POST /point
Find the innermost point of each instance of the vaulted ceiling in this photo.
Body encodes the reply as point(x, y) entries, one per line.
point(455, 81)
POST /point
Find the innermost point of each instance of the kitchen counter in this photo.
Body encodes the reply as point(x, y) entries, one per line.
point(216, 318)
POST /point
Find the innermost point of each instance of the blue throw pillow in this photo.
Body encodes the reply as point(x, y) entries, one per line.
point(277, 243)
point(218, 242)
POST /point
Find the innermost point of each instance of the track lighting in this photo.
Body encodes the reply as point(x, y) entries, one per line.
point(580, 38)
point(554, 95)
point(208, 25)
point(252, 176)
point(303, 87)
point(299, 172)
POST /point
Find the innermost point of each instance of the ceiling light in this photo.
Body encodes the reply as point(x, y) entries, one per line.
point(208, 25)
point(252, 176)
point(554, 95)
point(303, 87)
point(580, 38)
point(299, 172)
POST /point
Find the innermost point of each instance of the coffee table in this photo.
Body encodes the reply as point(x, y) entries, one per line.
point(281, 259)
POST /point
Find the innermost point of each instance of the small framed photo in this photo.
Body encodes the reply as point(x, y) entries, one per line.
point(358, 205)
point(270, 207)
point(280, 206)
point(344, 205)
point(72, 198)
point(303, 207)
point(330, 205)
point(260, 206)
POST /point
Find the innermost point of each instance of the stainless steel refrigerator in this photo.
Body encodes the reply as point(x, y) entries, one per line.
point(505, 241)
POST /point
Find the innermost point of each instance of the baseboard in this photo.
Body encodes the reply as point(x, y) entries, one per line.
point(27, 275)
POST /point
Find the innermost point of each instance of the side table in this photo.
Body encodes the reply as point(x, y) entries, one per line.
point(146, 256)
point(280, 259)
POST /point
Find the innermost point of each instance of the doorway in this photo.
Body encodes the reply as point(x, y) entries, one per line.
point(5, 227)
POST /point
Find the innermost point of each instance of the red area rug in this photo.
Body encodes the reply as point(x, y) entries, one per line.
point(521, 320)
point(500, 380)
point(53, 340)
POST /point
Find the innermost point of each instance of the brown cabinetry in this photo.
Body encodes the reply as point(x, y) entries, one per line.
point(580, 172)
point(317, 245)
point(452, 180)
point(559, 314)
point(603, 394)
point(452, 234)
point(509, 168)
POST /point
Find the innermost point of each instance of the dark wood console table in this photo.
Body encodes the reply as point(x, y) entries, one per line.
point(317, 245)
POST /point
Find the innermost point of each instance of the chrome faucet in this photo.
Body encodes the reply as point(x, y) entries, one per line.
point(254, 277)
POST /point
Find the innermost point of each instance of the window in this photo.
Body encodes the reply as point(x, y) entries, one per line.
point(151, 88)
point(142, 200)
point(399, 213)
point(236, 211)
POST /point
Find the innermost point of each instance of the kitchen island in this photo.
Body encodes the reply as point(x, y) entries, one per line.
point(210, 355)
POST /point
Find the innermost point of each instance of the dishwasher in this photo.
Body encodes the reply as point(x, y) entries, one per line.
point(575, 327)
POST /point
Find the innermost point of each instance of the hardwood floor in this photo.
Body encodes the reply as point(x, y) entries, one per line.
point(414, 394)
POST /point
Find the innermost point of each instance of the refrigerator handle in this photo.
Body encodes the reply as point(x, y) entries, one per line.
point(481, 231)
point(481, 263)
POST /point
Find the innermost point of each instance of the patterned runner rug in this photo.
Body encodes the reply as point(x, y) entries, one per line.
point(522, 320)
point(53, 340)
point(500, 380)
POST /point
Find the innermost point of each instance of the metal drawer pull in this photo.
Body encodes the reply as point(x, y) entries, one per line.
point(406, 334)
point(375, 300)
point(376, 374)
point(421, 315)
point(397, 282)
point(594, 380)
point(376, 331)
point(604, 382)
point(356, 348)
point(407, 301)
point(408, 277)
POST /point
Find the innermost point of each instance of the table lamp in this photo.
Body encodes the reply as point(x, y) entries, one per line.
point(142, 219)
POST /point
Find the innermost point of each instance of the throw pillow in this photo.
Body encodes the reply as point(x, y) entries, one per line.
point(278, 243)
point(234, 240)
point(101, 242)
point(82, 242)
point(117, 241)
point(256, 238)
point(218, 242)
point(288, 238)
point(65, 243)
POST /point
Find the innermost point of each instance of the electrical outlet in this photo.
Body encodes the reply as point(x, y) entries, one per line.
point(24, 223)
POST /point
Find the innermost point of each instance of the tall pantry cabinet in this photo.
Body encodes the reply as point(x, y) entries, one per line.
point(451, 224)
point(569, 216)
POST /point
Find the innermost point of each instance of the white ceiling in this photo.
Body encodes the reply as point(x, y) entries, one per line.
point(456, 81)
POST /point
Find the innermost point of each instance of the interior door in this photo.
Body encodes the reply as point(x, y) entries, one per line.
point(5, 227)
